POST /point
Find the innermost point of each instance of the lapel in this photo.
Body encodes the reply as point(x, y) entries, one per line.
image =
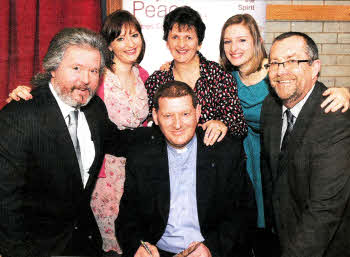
point(273, 135)
point(164, 196)
point(303, 122)
point(52, 120)
point(205, 176)
point(158, 155)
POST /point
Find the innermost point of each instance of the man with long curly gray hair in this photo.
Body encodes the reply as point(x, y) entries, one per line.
point(51, 150)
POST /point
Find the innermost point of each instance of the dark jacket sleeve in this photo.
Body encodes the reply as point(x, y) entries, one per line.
point(15, 142)
point(266, 175)
point(232, 234)
point(135, 222)
point(115, 141)
point(128, 231)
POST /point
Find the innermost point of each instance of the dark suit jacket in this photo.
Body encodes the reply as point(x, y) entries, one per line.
point(310, 201)
point(225, 199)
point(44, 209)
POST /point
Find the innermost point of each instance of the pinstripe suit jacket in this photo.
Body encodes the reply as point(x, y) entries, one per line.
point(44, 208)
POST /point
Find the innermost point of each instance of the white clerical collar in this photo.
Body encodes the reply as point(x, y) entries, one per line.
point(183, 149)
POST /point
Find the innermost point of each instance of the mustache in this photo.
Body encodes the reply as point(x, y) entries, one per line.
point(82, 88)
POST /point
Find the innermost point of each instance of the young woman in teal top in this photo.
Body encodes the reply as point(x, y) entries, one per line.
point(242, 52)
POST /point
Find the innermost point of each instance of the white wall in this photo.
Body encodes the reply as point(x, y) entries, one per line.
point(150, 14)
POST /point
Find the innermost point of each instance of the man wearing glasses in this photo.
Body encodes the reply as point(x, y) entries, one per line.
point(305, 155)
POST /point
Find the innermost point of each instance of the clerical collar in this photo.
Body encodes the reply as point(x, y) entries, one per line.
point(183, 149)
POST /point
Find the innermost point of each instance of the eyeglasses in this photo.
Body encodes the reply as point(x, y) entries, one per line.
point(290, 64)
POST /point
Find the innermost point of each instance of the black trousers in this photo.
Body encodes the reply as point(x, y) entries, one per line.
point(265, 244)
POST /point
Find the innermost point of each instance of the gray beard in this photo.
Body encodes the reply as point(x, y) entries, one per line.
point(67, 99)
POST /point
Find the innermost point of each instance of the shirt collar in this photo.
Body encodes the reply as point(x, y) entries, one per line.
point(65, 108)
point(297, 108)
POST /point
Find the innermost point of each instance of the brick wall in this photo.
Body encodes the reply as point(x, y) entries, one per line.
point(332, 38)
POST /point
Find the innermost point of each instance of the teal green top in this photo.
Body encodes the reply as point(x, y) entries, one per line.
point(251, 98)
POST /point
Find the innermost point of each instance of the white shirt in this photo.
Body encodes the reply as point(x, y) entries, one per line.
point(87, 147)
point(295, 111)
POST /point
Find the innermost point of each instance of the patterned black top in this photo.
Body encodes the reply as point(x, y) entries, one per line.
point(216, 92)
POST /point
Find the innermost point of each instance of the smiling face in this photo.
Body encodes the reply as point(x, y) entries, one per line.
point(127, 46)
point(238, 46)
point(183, 43)
point(291, 85)
point(77, 76)
point(177, 119)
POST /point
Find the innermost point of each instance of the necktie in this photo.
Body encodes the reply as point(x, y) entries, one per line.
point(290, 123)
point(72, 127)
point(282, 157)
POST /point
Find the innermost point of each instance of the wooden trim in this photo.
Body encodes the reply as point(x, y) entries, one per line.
point(113, 5)
point(308, 12)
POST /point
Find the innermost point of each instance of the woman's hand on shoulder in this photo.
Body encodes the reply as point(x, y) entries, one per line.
point(165, 66)
point(215, 131)
point(337, 98)
point(20, 92)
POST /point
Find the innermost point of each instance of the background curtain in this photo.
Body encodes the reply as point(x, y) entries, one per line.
point(26, 28)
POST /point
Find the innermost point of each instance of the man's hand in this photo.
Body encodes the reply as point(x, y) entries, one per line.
point(201, 251)
point(215, 130)
point(141, 251)
point(337, 98)
point(20, 92)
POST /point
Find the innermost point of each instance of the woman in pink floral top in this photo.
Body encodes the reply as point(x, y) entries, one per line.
point(125, 96)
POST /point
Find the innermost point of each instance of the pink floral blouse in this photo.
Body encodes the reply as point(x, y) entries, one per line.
point(126, 112)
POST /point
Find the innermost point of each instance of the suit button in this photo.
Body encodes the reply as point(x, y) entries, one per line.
point(90, 237)
point(76, 228)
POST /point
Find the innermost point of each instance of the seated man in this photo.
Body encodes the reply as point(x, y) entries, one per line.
point(178, 191)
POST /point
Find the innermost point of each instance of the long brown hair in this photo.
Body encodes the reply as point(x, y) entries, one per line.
point(259, 49)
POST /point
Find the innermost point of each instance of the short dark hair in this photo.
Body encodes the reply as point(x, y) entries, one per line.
point(174, 89)
point(112, 28)
point(59, 44)
point(311, 47)
point(184, 16)
point(259, 49)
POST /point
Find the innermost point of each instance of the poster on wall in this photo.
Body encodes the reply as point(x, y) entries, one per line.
point(150, 14)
